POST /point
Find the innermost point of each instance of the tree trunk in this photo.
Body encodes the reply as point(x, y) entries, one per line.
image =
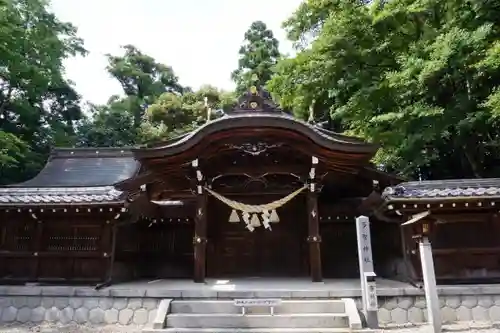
point(474, 162)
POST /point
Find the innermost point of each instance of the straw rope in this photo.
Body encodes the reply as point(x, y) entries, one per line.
point(256, 208)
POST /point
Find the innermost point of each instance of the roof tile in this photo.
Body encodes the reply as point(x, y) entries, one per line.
point(102, 194)
point(444, 189)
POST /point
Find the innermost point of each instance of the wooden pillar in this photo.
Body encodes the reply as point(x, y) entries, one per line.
point(37, 246)
point(314, 238)
point(200, 228)
point(111, 264)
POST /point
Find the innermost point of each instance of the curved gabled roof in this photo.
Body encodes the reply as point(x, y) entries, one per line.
point(258, 121)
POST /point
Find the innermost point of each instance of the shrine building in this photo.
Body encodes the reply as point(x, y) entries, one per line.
point(255, 193)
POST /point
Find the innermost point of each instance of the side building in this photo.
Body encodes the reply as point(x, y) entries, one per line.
point(57, 227)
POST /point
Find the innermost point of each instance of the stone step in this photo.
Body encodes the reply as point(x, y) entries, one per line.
point(250, 330)
point(297, 320)
point(228, 307)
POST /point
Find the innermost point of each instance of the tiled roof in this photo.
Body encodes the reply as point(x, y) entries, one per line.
point(486, 187)
point(75, 176)
point(55, 195)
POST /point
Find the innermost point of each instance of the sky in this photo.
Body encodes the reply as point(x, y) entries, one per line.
point(199, 39)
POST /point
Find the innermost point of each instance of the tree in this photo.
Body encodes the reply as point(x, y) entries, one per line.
point(110, 125)
point(38, 107)
point(125, 121)
point(142, 78)
point(174, 114)
point(258, 55)
point(419, 78)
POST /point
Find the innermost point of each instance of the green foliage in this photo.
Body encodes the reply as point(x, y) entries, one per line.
point(110, 125)
point(12, 150)
point(173, 114)
point(258, 55)
point(420, 78)
point(142, 79)
point(38, 107)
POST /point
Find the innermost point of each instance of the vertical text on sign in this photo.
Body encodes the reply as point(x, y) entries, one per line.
point(364, 244)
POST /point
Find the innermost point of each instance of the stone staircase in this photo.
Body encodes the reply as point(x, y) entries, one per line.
point(291, 316)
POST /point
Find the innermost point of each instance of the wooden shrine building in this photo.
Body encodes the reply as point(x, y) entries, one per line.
point(253, 193)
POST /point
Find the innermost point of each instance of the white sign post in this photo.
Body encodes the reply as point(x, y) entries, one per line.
point(367, 272)
point(428, 273)
point(430, 288)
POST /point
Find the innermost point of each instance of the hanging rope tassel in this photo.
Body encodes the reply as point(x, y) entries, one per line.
point(274, 217)
point(246, 218)
point(234, 218)
point(255, 221)
point(265, 219)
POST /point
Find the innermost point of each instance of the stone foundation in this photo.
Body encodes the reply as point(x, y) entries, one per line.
point(79, 305)
point(454, 308)
point(64, 310)
point(139, 306)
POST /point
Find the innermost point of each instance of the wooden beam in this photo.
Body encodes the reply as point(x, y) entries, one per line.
point(200, 228)
point(314, 238)
point(258, 170)
point(38, 246)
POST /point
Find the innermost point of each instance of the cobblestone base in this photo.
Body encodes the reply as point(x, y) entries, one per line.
point(80, 310)
point(454, 308)
point(131, 307)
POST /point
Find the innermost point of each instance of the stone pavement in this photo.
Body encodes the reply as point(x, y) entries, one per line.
point(75, 328)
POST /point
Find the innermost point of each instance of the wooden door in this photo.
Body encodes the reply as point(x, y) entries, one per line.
point(235, 251)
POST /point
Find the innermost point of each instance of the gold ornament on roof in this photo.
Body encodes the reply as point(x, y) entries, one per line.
point(253, 90)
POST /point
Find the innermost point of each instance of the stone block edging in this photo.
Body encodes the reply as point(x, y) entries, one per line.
point(76, 309)
point(454, 308)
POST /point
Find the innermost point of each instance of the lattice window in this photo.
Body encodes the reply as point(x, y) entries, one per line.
point(72, 238)
point(23, 237)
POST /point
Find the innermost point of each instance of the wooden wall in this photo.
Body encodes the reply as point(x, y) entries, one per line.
point(155, 250)
point(339, 250)
point(59, 246)
point(76, 247)
point(465, 247)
